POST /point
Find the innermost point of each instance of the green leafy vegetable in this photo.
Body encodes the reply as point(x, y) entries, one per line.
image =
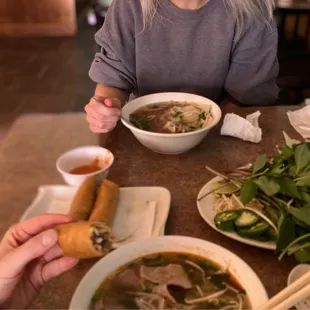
point(154, 262)
point(286, 152)
point(288, 187)
point(302, 214)
point(281, 189)
point(220, 279)
point(305, 197)
point(260, 163)
point(179, 114)
point(269, 186)
point(303, 180)
point(248, 191)
point(303, 256)
point(302, 157)
point(203, 116)
point(292, 171)
point(286, 233)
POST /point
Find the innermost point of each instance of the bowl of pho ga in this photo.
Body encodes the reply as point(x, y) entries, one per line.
point(170, 272)
point(170, 123)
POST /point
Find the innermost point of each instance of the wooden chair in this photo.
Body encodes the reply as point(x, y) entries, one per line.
point(293, 18)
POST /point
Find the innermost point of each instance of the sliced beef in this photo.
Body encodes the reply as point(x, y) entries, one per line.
point(163, 291)
point(172, 274)
point(127, 281)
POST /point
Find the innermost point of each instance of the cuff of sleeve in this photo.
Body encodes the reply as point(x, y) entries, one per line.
point(110, 81)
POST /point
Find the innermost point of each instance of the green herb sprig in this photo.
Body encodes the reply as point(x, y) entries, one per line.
point(282, 186)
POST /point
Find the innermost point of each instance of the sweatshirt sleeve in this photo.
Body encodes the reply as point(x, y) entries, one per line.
point(254, 67)
point(114, 65)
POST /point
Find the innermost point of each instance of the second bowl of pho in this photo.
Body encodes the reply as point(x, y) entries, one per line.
point(170, 123)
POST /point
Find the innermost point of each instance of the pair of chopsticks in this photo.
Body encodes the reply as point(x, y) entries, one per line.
point(291, 295)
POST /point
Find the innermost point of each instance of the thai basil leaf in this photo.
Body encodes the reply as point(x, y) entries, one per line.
point(269, 186)
point(288, 187)
point(305, 197)
point(302, 256)
point(302, 157)
point(304, 180)
point(292, 171)
point(286, 152)
point(286, 233)
point(302, 214)
point(248, 191)
point(260, 163)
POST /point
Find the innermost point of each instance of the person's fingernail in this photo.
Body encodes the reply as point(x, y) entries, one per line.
point(49, 237)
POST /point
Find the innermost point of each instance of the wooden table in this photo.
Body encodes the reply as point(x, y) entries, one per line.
point(135, 165)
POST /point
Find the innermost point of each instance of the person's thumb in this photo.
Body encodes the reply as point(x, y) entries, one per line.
point(15, 261)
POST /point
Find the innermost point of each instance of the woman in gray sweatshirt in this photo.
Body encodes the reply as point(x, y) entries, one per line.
point(213, 48)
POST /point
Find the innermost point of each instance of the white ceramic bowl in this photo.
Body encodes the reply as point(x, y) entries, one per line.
point(127, 253)
point(294, 275)
point(170, 143)
point(84, 156)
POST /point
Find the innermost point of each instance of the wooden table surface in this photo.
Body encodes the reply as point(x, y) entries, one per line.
point(134, 165)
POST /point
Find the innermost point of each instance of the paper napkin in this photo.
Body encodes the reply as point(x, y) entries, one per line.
point(246, 129)
point(300, 120)
point(136, 221)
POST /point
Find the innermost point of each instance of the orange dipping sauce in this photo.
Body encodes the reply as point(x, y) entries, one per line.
point(85, 169)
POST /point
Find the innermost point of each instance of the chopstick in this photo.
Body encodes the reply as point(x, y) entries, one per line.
point(292, 294)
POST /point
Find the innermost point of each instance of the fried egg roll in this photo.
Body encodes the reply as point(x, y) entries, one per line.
point(84, 240)
point(83, 202)
point(106, 203)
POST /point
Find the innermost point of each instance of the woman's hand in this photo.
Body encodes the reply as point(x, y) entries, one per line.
point(29, 257)
point(102, 118)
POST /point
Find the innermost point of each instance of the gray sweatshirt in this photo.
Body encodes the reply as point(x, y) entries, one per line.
point(192, 51)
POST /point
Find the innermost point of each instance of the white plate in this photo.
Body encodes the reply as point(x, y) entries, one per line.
point(206, 210)
point(142, 212)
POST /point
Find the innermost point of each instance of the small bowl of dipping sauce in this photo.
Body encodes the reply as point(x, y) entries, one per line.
point(83, 162)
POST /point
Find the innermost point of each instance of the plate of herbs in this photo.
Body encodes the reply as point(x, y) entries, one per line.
point(264, 204)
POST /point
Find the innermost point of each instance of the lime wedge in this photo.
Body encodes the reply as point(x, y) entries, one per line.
point(227, 189)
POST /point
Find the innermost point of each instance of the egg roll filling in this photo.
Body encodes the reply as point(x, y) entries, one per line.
point(101, 237)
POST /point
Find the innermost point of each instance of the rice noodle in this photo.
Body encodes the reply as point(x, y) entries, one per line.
point(199, 290)
point(162, 304)
point(231, 288)
point(142, 294)
point(147, 301)
point(188, 262)
point(240, 298)
point(144, 305)
point(229, 307)
point(206, 298)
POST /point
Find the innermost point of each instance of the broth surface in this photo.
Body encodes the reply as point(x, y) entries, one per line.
point(170, 281)
point(171, 117)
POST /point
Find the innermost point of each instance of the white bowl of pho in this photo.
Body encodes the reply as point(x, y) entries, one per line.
point(170, 123)
point(170, 272)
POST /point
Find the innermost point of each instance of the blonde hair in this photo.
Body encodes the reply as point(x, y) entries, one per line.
point(242, 10)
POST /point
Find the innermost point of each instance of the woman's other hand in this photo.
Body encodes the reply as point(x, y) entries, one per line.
point(103, 117)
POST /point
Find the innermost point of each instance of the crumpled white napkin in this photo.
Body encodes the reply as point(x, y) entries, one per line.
point(243, 128)
point(300, 120)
